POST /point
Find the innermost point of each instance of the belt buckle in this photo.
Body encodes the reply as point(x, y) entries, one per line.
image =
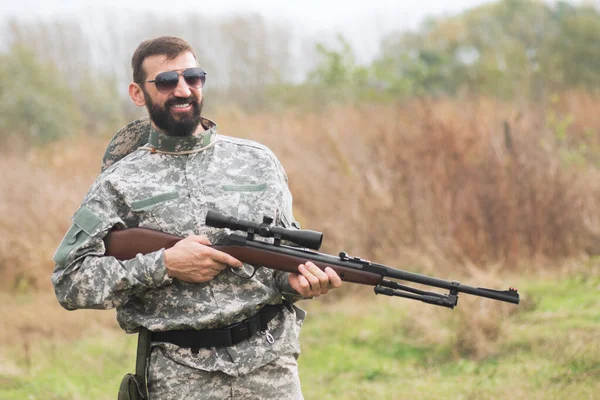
point(239, 332)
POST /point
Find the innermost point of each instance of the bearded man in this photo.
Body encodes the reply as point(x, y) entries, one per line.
point(212, 331)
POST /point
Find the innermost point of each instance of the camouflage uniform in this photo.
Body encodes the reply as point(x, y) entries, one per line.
point(172, 193)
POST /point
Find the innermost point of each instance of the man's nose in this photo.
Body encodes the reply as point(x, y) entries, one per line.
point(182, 89)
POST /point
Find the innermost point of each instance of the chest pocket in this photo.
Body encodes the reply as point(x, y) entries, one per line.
point(167, 212)
point(249, 201)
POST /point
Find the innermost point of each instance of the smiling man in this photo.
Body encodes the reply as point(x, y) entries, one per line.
point(208, 328)
point(177, 108)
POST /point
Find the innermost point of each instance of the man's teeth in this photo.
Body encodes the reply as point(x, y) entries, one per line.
point(180, 105)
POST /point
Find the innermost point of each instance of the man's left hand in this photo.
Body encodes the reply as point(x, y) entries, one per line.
point(311, 281)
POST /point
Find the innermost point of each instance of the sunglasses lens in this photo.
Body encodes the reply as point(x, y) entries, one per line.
point(166, 81)
point(194, 77)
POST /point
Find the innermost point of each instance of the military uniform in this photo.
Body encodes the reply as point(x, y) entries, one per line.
point(169, 185)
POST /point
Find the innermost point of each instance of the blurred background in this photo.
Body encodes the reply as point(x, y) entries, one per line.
point(460, 140)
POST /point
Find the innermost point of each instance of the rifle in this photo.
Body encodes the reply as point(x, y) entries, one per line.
point(126, 243)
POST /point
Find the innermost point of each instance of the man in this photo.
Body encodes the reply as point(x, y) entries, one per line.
point(190, 295)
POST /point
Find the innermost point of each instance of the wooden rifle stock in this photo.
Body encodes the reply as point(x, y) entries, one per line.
point(125, 244)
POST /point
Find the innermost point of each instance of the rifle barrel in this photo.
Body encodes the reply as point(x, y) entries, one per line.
point(369, 270)
point(510, 296)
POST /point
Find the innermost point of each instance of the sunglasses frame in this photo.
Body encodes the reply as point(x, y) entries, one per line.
point(182, 73)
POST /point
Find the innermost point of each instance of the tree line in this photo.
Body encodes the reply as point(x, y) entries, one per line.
point(62, 76)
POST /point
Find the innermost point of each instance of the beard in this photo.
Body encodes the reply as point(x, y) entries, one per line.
point(182, 125)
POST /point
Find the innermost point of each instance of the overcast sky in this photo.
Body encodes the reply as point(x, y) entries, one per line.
point(309, 11)
point(364, 23)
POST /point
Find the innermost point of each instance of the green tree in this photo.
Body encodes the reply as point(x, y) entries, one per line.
point(501, 49)
point(338, 68)
point(35, 100)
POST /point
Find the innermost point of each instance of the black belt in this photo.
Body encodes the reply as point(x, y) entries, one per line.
point(221, 337)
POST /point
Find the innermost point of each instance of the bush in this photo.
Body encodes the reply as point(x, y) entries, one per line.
point(35, 100)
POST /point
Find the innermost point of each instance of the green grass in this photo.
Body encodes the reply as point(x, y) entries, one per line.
point(549, 350)
point(85, 369)
point(372, 348)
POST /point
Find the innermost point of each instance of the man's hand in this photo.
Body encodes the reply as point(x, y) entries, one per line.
point(191, 260)
point(312, 281)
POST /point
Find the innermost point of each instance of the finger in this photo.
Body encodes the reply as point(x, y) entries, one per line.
point(293, 281)
point(334, 279)
point(323, 278)
point(202, 239)
point(316, 271)
point(224, 258)
point(217, 266)
point(304, 289)
point(315, 283)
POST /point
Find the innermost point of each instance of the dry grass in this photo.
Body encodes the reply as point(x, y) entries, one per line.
point(31, 318)
point(439, 182)
point(441, 185)
point(425, 182)
point(40, 190)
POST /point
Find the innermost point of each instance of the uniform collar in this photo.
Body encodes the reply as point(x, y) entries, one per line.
point(163, 142)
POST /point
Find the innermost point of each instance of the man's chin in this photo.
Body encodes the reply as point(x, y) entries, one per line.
point(176, 122)
point(185, 127)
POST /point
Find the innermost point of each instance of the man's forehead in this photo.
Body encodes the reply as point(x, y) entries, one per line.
point(158, 63)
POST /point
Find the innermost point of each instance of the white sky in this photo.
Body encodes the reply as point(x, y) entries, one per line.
point(363, 23)
point(315, 11)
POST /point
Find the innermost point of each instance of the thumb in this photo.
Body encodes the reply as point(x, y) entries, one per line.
point(202, 239)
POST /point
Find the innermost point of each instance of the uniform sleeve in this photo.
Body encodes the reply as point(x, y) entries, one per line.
point(83, 277)
point(287, 220)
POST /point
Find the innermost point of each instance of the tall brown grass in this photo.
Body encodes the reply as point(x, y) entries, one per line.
point(446, 182)
point(443, 186)
point(436, 183)
point(40, 190)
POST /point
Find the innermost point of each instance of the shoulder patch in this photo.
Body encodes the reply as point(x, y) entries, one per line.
point(85, 224)
point(87, 220)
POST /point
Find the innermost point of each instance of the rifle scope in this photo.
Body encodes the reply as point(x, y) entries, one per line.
point(301, 237)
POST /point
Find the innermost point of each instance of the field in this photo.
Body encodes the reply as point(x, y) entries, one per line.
point(487, 193)
point(358, 347)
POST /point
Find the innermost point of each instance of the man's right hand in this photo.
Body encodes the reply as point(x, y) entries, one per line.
point(192, 260)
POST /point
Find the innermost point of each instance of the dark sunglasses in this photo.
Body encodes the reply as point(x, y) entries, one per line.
point(166, 82)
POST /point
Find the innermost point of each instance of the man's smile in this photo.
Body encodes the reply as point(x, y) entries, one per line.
point(181, 107)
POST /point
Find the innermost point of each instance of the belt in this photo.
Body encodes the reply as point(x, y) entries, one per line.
point(220, 337)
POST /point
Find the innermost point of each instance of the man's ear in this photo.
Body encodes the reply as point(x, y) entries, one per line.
point(136, 94)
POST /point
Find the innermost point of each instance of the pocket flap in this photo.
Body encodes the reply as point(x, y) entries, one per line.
point(258, 187)
point(151, 202)
point(86, 220)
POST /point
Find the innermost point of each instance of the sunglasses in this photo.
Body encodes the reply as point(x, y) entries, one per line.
point(166, 82)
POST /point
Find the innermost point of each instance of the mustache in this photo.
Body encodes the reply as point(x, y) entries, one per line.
point(180, 100)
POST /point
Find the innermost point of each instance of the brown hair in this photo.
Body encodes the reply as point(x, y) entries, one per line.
point(169, 46)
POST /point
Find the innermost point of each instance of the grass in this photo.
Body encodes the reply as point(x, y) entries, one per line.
point(549, 351)
point(89, 368)
point(432, 183)
point(359, 346)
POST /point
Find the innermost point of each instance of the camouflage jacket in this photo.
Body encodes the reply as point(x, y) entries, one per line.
point(171, 189)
